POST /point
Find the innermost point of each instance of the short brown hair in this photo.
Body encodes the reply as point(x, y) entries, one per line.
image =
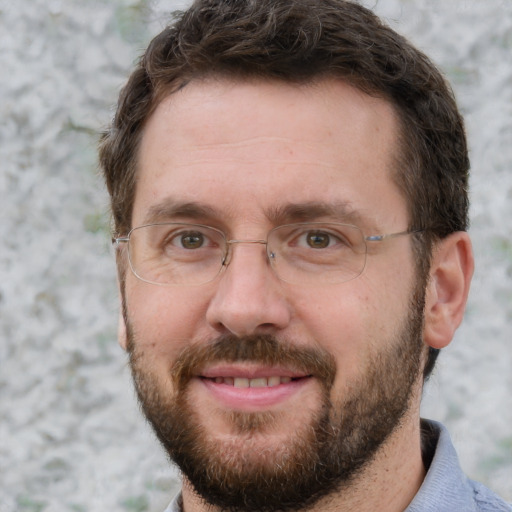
point(299, 41)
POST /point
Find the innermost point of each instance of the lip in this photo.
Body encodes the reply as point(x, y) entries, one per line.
point(217, 381)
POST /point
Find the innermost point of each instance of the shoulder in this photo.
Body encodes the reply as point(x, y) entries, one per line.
point(446, 488)
point(487, 501)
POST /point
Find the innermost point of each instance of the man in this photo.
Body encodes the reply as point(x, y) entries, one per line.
point(289, 190)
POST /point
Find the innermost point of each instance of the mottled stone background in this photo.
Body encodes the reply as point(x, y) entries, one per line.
point(71, 436)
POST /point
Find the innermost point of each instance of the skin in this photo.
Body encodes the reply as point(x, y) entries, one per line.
point(241, 151)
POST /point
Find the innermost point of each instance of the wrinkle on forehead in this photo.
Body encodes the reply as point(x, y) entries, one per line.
point(275, 151)
point(262, 139)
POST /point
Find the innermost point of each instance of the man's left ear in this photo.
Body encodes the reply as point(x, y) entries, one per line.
point(447, 291)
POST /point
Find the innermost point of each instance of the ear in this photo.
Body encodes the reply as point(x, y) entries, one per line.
point(447, 291)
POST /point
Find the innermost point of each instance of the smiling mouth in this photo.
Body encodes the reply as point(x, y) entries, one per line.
point(253, 389)
point(258, 382)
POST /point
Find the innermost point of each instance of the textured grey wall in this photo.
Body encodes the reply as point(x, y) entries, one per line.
point(71, 437)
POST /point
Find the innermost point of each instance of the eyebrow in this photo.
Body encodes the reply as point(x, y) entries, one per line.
point(170, 209)
point(340, 211)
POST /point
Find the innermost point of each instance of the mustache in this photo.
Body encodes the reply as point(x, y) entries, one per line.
point(264, 349)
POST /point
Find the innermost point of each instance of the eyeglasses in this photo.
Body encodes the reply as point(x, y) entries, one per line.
point(303, 253)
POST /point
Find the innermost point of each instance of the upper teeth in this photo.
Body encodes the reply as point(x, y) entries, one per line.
point(259, 382)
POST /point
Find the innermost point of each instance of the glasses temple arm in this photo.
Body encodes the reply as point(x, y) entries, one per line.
point(119, 240)
point(379, 238)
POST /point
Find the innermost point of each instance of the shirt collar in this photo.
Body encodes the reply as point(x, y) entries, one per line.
point(445, 487)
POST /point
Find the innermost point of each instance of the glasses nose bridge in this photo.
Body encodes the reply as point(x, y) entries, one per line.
point(231, 243)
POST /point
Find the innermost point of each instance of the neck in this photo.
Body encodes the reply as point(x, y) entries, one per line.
point(388, 483)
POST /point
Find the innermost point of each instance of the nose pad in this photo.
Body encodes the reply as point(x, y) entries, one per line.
point(226, 260)
point(230, 243)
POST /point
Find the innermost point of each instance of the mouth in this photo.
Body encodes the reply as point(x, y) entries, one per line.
point(252, 388)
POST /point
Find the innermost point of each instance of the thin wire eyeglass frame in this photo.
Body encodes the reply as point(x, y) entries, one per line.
point(117, 241)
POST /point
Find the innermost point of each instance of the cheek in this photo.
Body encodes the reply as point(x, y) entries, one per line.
point(352, 322)
point(164, 320)
point(341, 321)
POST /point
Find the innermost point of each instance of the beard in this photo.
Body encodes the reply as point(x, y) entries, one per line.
point(323, 456)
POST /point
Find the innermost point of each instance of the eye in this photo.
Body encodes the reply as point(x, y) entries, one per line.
point(189, 240)
point(318, 240)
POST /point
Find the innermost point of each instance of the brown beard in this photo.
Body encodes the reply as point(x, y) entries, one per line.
point(321, 457)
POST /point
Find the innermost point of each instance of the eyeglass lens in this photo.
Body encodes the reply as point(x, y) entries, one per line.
point(192, 254)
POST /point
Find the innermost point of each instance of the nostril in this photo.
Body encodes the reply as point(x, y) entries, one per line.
point(266, 327)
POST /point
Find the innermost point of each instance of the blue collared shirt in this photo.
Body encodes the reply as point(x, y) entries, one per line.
point(445, 488)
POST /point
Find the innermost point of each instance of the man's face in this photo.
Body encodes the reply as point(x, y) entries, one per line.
point(338, 363)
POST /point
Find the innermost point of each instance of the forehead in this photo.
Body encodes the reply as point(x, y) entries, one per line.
point(243, 149)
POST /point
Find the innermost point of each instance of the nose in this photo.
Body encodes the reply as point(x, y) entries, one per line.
point(249, 298)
